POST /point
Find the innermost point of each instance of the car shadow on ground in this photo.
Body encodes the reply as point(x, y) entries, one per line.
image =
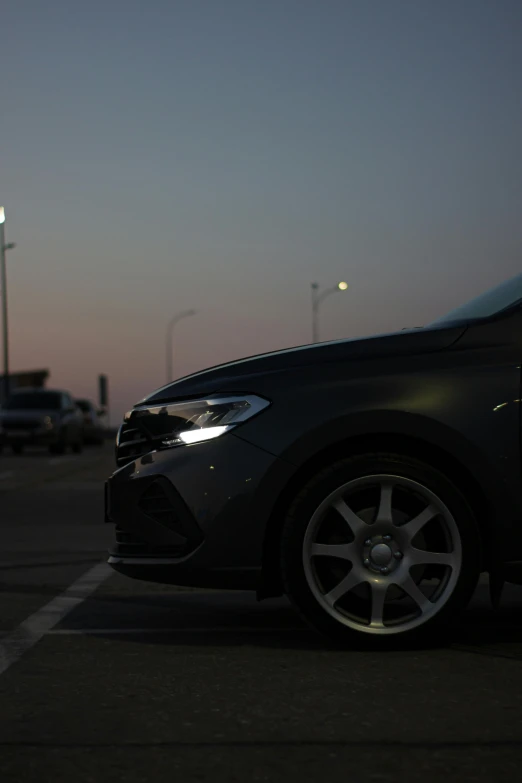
point(190, 617)
point(227, 618)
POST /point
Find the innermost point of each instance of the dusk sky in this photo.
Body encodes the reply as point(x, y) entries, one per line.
point(159, 155)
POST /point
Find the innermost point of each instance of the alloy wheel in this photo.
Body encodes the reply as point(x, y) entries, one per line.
point(382, 554)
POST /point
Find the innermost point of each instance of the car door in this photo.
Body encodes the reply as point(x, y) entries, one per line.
point(68, 414)
point(92, 420)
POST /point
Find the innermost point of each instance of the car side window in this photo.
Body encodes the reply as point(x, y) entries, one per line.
point(66, 401)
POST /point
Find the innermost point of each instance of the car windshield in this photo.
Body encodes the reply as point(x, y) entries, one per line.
point(33, 401)
point(490, 303)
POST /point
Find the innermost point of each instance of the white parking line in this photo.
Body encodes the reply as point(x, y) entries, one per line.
point(28, 633)
point(134, 631)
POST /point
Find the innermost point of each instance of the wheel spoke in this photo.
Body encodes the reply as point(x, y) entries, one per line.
point(384, 514)
point(354, 522)
point(363, 524)
point(342, 551)
point(378, 599)
point(350, 581)
point(412, 527)
point(420, 557)
point(413, 590)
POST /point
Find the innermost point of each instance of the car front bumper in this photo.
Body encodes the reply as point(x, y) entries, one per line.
point(36, 437)
point(195, 515)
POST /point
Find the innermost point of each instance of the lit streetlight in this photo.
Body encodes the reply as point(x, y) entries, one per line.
point(3, 283)
point(173, 321)
point(317, 298)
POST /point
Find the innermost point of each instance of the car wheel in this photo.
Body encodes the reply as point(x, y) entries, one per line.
point(17, 449)
point(77, 447)
point(381, 547)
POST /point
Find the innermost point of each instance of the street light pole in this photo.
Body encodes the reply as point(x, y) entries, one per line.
point(315, 311)
point(168, 342)
point(3, 281)
point(317, 298)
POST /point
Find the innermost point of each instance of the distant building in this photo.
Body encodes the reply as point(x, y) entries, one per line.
point(35, 379)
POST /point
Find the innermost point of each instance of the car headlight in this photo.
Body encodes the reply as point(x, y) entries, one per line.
point(183, 423)
point(47, 423)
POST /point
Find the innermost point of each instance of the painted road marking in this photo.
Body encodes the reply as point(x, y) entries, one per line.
point(28, 633)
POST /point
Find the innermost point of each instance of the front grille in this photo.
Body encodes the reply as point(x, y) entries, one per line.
point(132, 443)
point(129, 545)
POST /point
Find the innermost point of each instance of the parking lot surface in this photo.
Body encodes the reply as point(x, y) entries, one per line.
point(106, 679)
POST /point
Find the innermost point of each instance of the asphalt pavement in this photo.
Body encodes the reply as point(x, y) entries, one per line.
point(107, 679)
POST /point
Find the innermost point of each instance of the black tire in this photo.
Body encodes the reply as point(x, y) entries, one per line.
point(294, 575)
point(94, 442)
point(77, 447)
point(17, 449)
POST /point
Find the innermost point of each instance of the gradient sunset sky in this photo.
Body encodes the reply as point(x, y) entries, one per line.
point(158, 155)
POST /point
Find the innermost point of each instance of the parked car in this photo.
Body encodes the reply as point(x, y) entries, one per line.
point(371, 480)
point(93, 429)
point(41, 417)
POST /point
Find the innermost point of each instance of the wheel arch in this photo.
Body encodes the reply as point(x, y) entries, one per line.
point(454, 468)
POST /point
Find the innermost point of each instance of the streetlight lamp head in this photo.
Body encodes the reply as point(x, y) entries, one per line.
point(342, 286)
point(2, 215)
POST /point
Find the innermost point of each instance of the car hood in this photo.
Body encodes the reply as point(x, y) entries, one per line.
point(241, 373)
point(26, 415)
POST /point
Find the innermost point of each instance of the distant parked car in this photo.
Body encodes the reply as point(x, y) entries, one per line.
point(41, 417)
point(93, 428)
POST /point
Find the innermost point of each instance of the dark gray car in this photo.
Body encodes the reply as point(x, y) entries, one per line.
point(370, 480)
point(93, 428)
point(41, 417)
